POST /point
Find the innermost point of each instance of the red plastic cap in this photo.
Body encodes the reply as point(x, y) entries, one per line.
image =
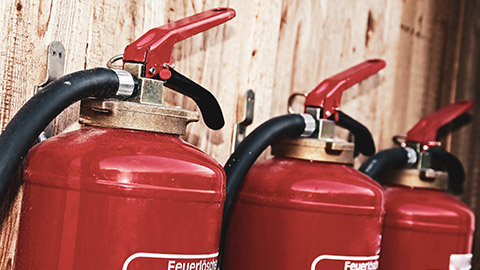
point(155, 47)
point(328, 94)
point(425, 131)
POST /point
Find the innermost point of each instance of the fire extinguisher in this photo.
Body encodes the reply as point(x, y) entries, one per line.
point(424, 228)
point(306, 208)
point(124, 191)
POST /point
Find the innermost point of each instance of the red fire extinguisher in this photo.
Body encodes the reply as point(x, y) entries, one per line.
point(425, 228)
point(124, 191)
point(306, 208)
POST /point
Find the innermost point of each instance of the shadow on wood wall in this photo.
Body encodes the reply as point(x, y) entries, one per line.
point(465, 142)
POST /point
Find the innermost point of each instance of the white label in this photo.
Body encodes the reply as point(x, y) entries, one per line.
point(176, 261)
point(460, 261)
point(346, 262)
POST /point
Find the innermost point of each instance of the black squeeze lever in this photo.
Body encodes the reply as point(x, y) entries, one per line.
point(363, 139)
point(208, 104)
point(455, 170)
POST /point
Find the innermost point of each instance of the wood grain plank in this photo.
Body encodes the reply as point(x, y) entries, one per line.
point(310, 50)
point(229, 60)
point(464, 141)
point(321, 38)
point(91, 32)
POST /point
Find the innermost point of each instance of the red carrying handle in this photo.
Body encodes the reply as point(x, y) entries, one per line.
point(155, 47)
point(425, 131)
point(328, 94)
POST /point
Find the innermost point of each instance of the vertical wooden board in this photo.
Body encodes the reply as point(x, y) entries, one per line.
point(371, 101)
point(91, 32)
point(69, 23)
point(229, 60)
point(415, 43)
point(115, 24)
point(464, 143)
point(321, 38)
point(153, 14)
point(425, 38)
point(15, 61)
point(465, 146)
point(373, 35)
point(111, 26)
point(9, 218)
point(25, 47)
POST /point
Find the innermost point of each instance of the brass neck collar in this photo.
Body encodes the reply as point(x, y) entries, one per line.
point(315, 149)
point(133, 115)
point(418, 178)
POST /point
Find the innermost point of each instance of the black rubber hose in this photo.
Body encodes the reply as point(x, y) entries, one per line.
point(208, 104)
point(42, 108)
point(455, 170)
point(391, 158)
point(247, 152)
point(363, 139)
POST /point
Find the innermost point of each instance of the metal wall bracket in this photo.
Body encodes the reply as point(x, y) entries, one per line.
point(240, 128)
point(55, 63)
point(55, 70)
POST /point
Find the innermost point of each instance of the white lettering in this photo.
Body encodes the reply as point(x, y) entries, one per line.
point(194, 261)
point(370, 265)
point(201, 265)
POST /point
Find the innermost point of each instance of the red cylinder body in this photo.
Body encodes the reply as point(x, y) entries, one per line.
point(423, 228)
point(299, 214)
point(104, 198)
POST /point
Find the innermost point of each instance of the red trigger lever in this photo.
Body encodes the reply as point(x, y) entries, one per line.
point(154, 48)
point(328, 94)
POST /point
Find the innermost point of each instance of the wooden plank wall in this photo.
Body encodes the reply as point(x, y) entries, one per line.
point(465, 142)
point(272, 47)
